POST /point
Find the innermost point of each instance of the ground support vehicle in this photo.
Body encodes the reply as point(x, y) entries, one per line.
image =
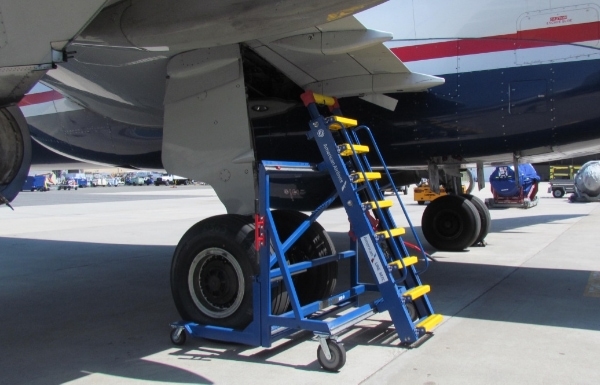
point(562, 180)
point(35, 183)
point(396, 278)
point(423, 193)
point(559, 187)
point(97, 182)
point(512, 189)
point(179, 180)
point(166, 180)
point(82, 182)
point(114, 182)
point(138, 181)
point(69, 184)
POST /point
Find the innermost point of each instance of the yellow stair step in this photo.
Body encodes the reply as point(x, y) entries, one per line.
point(340, 122)
point(324, 99)
point(417, 292)
point(430, 322)
point(384, 204)
point(361, 177)
point(408, 261)
point(346, 149)
point(395, 232)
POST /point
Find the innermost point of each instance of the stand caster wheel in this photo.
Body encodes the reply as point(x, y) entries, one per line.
point(178, 336)
point(337, 355)
point(412, 311)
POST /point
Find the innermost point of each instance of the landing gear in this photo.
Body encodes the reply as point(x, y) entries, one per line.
point(451, 223)
point(212, 271)
point(331, 354)
point(214, 265)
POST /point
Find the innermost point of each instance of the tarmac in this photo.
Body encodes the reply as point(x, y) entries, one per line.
point(85, 299)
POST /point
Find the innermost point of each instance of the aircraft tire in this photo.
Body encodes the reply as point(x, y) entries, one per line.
point(484, 217)
point(212, 273)
point(318, 282)
point(450, 223)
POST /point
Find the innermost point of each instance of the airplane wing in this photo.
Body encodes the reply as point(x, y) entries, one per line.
point(32, 37)
point(342, 58)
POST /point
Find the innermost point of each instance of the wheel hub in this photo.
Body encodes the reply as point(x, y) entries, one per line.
point(448, 224)
point(216, 282)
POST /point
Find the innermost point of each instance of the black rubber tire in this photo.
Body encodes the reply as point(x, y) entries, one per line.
point(338, 356)
point(318, 282)
point(230, 237)
point(558, 193)
point(450, 223)
point(484, 216)
point(223, 245)
point(178, 336)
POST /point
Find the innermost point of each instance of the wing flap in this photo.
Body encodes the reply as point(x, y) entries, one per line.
point(342, 58)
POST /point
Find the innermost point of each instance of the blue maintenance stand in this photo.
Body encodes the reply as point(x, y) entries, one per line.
point(397, 284)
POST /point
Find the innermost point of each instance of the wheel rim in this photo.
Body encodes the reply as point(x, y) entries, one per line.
point(216, 283)
point(448, 224)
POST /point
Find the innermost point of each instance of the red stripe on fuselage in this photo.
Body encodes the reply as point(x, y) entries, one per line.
point(535, 38)
point(42, 97)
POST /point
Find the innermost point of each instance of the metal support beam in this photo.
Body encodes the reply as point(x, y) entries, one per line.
point(434, 177)
point(480, 176)
point(516, 166)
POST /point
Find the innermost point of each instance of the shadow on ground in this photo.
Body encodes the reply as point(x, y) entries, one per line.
point(74, 308)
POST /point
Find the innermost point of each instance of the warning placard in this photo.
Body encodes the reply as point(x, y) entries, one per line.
point(371, 251)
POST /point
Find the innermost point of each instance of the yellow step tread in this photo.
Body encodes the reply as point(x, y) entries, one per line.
point(430, 322)
point(324, 99)
point(346, 149)
point(408, 261)
point(417, 292)
point(395, 232)
point(340, 122)
point(361, 177)
point(384, 204)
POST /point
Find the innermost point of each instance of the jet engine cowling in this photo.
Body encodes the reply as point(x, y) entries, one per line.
point(15, 152)
point(587, 180)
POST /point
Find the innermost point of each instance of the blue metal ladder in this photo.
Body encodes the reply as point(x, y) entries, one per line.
point(405, 298)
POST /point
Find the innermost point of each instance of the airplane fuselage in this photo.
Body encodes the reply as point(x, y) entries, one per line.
point(523, 80)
